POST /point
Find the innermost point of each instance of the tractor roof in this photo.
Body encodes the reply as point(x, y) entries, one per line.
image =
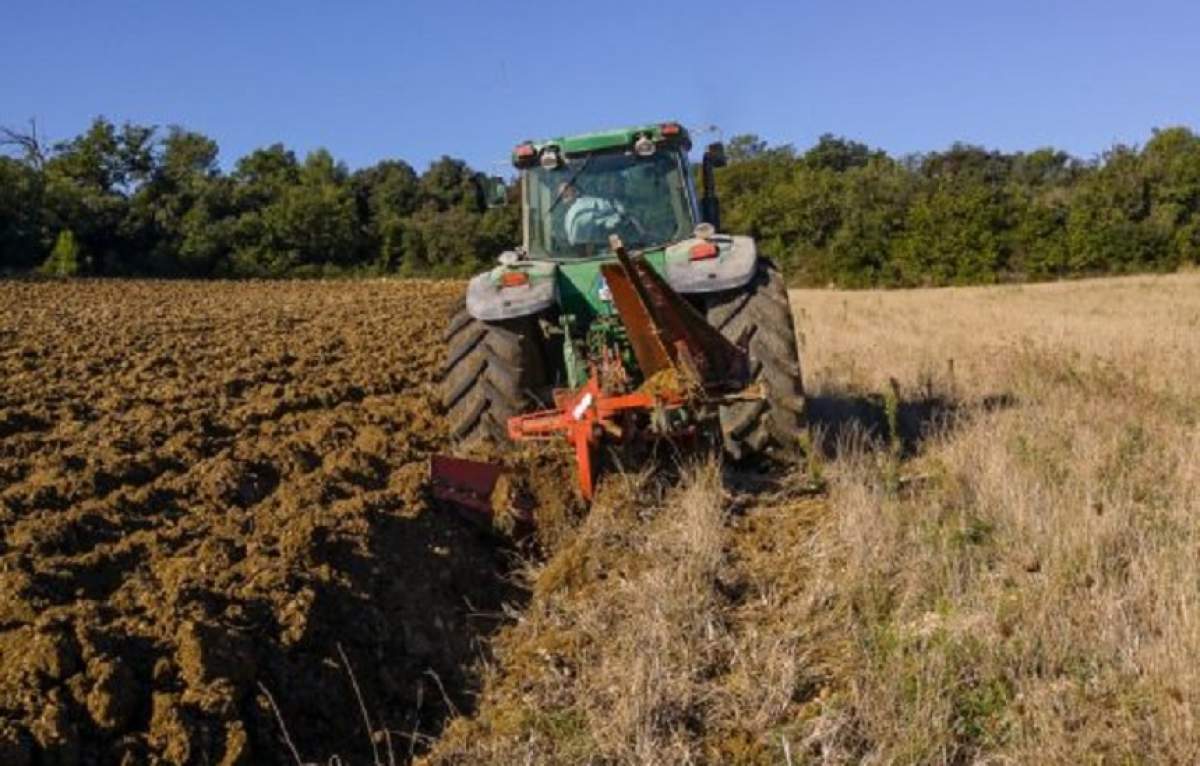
point(583, 143)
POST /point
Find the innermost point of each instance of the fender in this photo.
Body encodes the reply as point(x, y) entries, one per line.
point(488, 300)
point(733, 267)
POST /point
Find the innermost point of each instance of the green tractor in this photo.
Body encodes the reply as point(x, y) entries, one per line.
point(622, 274)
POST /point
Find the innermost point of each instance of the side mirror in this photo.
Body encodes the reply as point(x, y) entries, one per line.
point(495, 192)
point(714, 155)
point(710, 206)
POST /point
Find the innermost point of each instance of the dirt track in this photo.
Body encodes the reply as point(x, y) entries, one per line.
point(204, 488)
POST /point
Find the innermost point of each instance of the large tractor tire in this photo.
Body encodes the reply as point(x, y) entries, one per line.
point(774, 426)
point(493, 370)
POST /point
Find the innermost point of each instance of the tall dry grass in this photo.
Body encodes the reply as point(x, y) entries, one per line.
point(1004, 568)
point(1032, 594)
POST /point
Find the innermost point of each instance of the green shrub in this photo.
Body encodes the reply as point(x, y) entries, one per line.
point(65, 258)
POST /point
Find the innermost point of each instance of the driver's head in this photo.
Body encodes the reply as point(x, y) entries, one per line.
point(567, 192)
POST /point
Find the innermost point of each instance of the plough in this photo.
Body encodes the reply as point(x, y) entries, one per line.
point(685, 370)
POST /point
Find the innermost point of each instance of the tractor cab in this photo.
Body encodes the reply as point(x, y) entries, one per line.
point(635, 182)
point(577, 192)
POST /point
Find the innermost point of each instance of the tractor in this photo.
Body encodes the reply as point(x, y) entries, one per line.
point(625, 316)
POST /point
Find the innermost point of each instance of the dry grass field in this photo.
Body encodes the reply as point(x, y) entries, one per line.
point(212, 492)
point(1003, 568)
point(1028, 590)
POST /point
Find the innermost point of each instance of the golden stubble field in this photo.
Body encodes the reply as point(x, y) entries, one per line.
point(1028, 590)
point(211, 504)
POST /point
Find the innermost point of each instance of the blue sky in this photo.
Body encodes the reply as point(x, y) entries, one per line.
point(370, 80)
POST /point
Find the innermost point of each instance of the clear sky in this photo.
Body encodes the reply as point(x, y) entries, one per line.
point(370, 80)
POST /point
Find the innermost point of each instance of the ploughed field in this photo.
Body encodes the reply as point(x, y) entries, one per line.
point(212, 505)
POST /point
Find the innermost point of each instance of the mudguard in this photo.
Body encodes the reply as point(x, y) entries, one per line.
point(732, 268)
point(489, 301)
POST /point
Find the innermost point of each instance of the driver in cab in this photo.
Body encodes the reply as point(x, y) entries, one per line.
point(590, 219)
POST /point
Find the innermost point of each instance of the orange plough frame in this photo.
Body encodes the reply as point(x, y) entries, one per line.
point(584, 416)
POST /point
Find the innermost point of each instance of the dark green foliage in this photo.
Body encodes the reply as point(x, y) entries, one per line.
point(305, 217)
point(21, 216)
point(386, 196)
point(954, 232)
point(839, 154)
point(133, 200)
point(842, 213)
point(136, 200)
point(449, 184)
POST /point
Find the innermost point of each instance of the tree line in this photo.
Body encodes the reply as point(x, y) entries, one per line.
point(843, 213)
point(133, 200)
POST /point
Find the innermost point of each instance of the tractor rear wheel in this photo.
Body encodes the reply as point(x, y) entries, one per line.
point(775, 425)
point(493, 370)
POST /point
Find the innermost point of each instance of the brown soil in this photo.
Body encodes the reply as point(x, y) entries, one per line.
point(205, 489)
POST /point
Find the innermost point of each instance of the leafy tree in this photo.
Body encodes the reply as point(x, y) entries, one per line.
point(21, 216)
point(317, 217)
point(1043, 168)
point(1039, 240)
point(449, 183)
point(1171, 162)
point(442, 243)
point(86, 181)
point(838, 154)
point(1110, 227)
point(746, 146)
point(292, 215)
point(175, 219)
point(499, 230)
point(964, 161)
point(386, 195)
point(954, 233)
point(873, 204)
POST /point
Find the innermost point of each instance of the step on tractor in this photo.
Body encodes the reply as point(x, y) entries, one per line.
point(625, 318)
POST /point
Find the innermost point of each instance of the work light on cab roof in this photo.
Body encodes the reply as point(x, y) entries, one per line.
point(643, 139)
point(628, 309)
